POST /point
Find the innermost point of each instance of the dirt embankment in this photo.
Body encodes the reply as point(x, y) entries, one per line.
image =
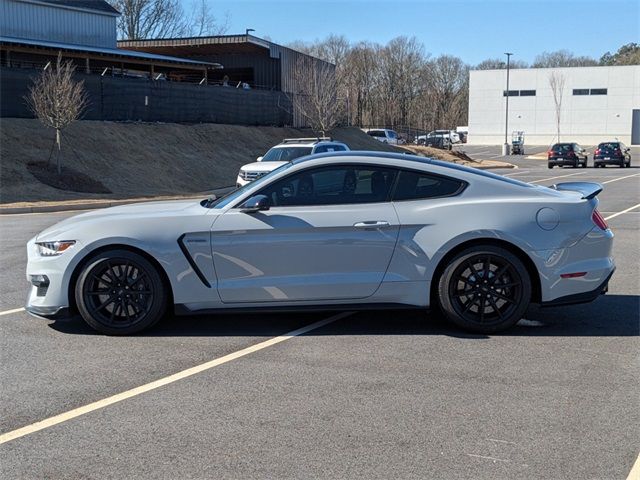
point(138, 159)
point(133, 160)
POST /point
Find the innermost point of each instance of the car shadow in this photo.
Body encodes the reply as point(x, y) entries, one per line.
point(608, 316)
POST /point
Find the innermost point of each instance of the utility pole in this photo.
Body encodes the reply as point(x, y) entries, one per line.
point(505, 146)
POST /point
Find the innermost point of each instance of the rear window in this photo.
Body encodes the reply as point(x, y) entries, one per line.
point(562, 147)
point(416, 185)
point(609, 146)
point(376, 133)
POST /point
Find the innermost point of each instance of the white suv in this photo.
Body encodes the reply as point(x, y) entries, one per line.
point(287, 151)
point(452, 135)
point(384, 135)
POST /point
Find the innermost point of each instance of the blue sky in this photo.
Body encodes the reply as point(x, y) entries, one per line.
point(473, 29)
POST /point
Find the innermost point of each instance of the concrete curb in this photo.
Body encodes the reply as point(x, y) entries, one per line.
point(69, 207)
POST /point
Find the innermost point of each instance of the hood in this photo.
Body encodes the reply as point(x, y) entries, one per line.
point(134, 210)
point(261, 166)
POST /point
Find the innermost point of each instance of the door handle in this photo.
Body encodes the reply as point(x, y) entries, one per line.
point(371, 224)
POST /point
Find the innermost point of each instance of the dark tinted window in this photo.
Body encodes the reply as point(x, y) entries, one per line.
point(335, 185)
point(377, 133)
point(527, 93)
point(512, 93)
point(286, 154)
point(562, 147)
point(417, 185)
point(598, 91)
point(609, 146)
point(581, 91)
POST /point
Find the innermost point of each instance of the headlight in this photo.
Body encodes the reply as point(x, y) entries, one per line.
point(51, 249)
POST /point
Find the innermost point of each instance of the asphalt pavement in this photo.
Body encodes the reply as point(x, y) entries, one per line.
point(387, 394)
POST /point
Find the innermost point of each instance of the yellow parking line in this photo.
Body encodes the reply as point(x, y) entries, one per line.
point(634, 474)
point(623, 211)
point(76, 412)
point(620, 178)
point(9, 312)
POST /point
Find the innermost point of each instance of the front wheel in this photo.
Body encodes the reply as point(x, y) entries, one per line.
point(484, 289)
point(120, 292)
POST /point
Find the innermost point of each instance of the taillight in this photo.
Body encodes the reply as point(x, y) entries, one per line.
point(599, 220)
point(550, 154)
point(597, 152)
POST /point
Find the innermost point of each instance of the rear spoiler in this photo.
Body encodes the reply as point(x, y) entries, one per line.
point(588, 189)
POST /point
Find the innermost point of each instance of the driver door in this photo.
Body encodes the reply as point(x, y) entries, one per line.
point(329, 235)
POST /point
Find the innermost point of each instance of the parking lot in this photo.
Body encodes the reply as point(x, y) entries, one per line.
point(388, 394)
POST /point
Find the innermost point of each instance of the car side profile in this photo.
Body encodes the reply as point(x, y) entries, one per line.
point(612, 153)
point(287, 151)
point(567, 154)
point(343, 230)
point(384, 135)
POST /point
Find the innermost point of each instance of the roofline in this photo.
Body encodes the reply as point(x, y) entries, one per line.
point(121, 52)
point(551, 68)
point(115, 12)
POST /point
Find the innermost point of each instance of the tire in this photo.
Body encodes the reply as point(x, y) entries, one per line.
point(462, 283)
point(549, 166)
point(104, 295)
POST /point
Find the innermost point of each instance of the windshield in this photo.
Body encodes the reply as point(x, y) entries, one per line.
point(286, 154)
point(237, 193)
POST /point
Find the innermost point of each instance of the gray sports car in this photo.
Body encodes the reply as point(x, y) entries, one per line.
point(332, 231)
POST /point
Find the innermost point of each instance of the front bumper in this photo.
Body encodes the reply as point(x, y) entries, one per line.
point(48, 313)
point(241, 182)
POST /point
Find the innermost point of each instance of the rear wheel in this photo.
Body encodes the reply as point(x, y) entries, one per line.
point(484, 289)
point(120, 292)
point(549, 165)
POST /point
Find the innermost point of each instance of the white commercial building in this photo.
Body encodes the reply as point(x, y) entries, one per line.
point(598, 104)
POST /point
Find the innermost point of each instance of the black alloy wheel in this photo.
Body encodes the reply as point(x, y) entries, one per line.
point(485, 289)
point(120, 292)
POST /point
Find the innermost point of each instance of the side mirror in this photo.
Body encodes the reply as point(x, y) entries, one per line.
point(257, 203)
point(259, 159)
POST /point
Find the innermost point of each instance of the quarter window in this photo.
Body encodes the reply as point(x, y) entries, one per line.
point(598, 91)
point(581, 91)
point(335, 185)
point(415, 185)
point(527, 93)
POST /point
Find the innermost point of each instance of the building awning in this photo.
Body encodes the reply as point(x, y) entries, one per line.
point(124, 55)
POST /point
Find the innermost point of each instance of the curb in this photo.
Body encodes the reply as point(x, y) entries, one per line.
point(70, 207)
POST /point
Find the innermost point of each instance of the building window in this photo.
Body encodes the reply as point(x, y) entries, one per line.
point(527, 93)
point(512, 93)
point(581, 91)
point(598, 91)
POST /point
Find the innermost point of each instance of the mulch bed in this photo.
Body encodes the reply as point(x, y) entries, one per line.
point(70, 179)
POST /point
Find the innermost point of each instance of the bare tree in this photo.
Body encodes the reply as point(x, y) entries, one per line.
point(556, 82)
point(561, 58)
point(317, 103)
point(166, 18)
point(499, 64)
point(57, 99)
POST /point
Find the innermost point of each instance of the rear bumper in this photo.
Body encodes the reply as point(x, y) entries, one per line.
point(584, 297)
point(564, 161)
point(611, 161)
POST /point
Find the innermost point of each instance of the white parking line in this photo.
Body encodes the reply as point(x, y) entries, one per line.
point(559, 176)
point(517, 173)
point(620, 178)
point(76, 412)
point(9, 312)
point(623, 211)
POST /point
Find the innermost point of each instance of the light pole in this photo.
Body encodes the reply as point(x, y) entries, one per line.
point(505, 146)
point(248, 30)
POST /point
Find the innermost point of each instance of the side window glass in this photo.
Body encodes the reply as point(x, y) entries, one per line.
point(339, 185)
point(320, 149)
point(416, 185)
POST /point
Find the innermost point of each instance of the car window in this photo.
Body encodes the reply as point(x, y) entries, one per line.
point(416, 185)
point(334, 185)
point(392, 134)
point(561, 147)
point(340, 148)
point(286, 154)
point(376, 133)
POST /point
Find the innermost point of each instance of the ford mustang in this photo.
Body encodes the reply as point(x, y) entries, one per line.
point(332, 231)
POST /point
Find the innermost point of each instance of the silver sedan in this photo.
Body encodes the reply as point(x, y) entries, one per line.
point(333, 231)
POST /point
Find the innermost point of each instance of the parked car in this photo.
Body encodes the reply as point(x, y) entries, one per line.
point(612, 153)
point(384, 135)
point(438, 142)
point(562, 154)
point(451, 135)
point(287, 151)
point(297, 239)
